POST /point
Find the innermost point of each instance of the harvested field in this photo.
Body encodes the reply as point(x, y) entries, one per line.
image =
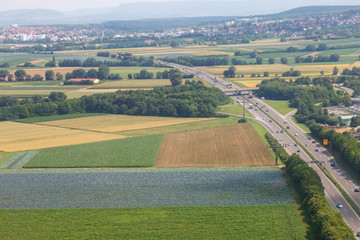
point(22, 137)
point(230, 146)
point(118, 123)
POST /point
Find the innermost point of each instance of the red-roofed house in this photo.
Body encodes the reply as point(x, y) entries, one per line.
point(94, 80)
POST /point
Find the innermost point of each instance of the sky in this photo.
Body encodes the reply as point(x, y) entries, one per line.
point(65, 5)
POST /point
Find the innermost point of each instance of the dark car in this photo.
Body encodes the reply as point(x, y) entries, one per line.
point(298, 150)
point(316, 150)
point(313, 141)
point(358, 234)
point(357, 190)
point(287, 127)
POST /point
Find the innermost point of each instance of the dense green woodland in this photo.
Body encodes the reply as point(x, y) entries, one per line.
point(190, 100)
point(307, 95)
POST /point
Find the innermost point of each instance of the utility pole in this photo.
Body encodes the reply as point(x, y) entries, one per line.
point(273, 146)
point(243, 107)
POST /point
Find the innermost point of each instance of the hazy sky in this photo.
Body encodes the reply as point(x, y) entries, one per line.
point(77, 4)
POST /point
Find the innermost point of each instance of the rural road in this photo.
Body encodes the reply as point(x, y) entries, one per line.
point(331, 192)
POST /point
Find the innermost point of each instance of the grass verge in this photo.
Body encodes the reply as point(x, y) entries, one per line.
point(281, 106)
point(234, 109)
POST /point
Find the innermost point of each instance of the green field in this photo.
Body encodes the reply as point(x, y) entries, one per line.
point(280, 106)
point(128, 152)
point(301, 125)
point(272, 222)
point(58, 117)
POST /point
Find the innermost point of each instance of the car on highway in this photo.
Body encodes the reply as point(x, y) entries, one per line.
point(339, 205)
point(316, 150)
point(296, 134)
point(289, 144)
point(282, 131)
point(277, 131)
point(298, 150)
point(357, 190)
point(358, 234)
point(332, 164)
point(313, 141)
point(287, 127)
point(270, 120)
point(295, 145)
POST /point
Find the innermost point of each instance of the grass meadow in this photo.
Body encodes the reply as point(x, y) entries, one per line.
point(129, 152)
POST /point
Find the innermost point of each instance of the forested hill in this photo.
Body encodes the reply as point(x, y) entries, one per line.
point(312, 11)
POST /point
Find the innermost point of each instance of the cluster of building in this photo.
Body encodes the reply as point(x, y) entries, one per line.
point(53, 33)
point(294, 27)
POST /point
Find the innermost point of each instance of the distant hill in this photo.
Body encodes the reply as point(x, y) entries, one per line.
point(30, 16)
point(313, 10)
point(166, 14)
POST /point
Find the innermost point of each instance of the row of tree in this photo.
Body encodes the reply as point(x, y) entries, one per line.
point(319, 58)
point(327, 223)
point(127, 62)
point(190, 100)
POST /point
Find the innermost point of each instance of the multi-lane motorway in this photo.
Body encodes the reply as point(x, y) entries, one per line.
point(322, 155)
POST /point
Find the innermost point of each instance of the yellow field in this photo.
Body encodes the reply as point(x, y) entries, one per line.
point(249, 84)
point(274, 68)
point(22, 136)
point(118, 123)
point(87, 92)
point(31, 92)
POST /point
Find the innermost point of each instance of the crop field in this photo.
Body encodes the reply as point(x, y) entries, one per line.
point(21, 136)
point(118, 123)
point(134, 83)
point(219, 122)
point(114, 153)
point(280, 106)
point(230, 146)
point(276, 222)
point(144, 187)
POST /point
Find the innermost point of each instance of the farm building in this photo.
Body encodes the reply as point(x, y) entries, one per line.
point(345, 118)
point(94, 80)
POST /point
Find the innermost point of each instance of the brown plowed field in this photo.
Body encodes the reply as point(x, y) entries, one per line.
point(230, 146)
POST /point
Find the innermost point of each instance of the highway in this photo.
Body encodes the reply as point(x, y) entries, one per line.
point(333, 196)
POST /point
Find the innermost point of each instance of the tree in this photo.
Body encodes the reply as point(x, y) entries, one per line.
point(176, 79)
point(92, 73)
point(20, 75)
point(271, 60)
point(37, 77)
point(78, 73)
point(322, 72)
point(130, 76)
point(59, 76)
point(254, 54)
point(322, 47)
point(310, 48)
point(284, 60)
point(174, 44)
point(266, 74)
point(3, 74)
point(335, 70)
point(230, 73)
point(49, 75)
point(103, 72)
point(259, 60)
point(57, 96)
point(10, 77)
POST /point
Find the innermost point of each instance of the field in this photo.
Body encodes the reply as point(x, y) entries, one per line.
point(58, 117)
point(280, 106)
point(22, 136)
point(114, 153)
point(229, 222)
point(117, 123)
point(143, 187)
point(226, 147)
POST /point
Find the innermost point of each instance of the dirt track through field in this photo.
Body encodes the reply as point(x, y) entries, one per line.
point(218, 147)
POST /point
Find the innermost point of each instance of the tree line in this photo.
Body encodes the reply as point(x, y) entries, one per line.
point(327, 223)
point(190, 100)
